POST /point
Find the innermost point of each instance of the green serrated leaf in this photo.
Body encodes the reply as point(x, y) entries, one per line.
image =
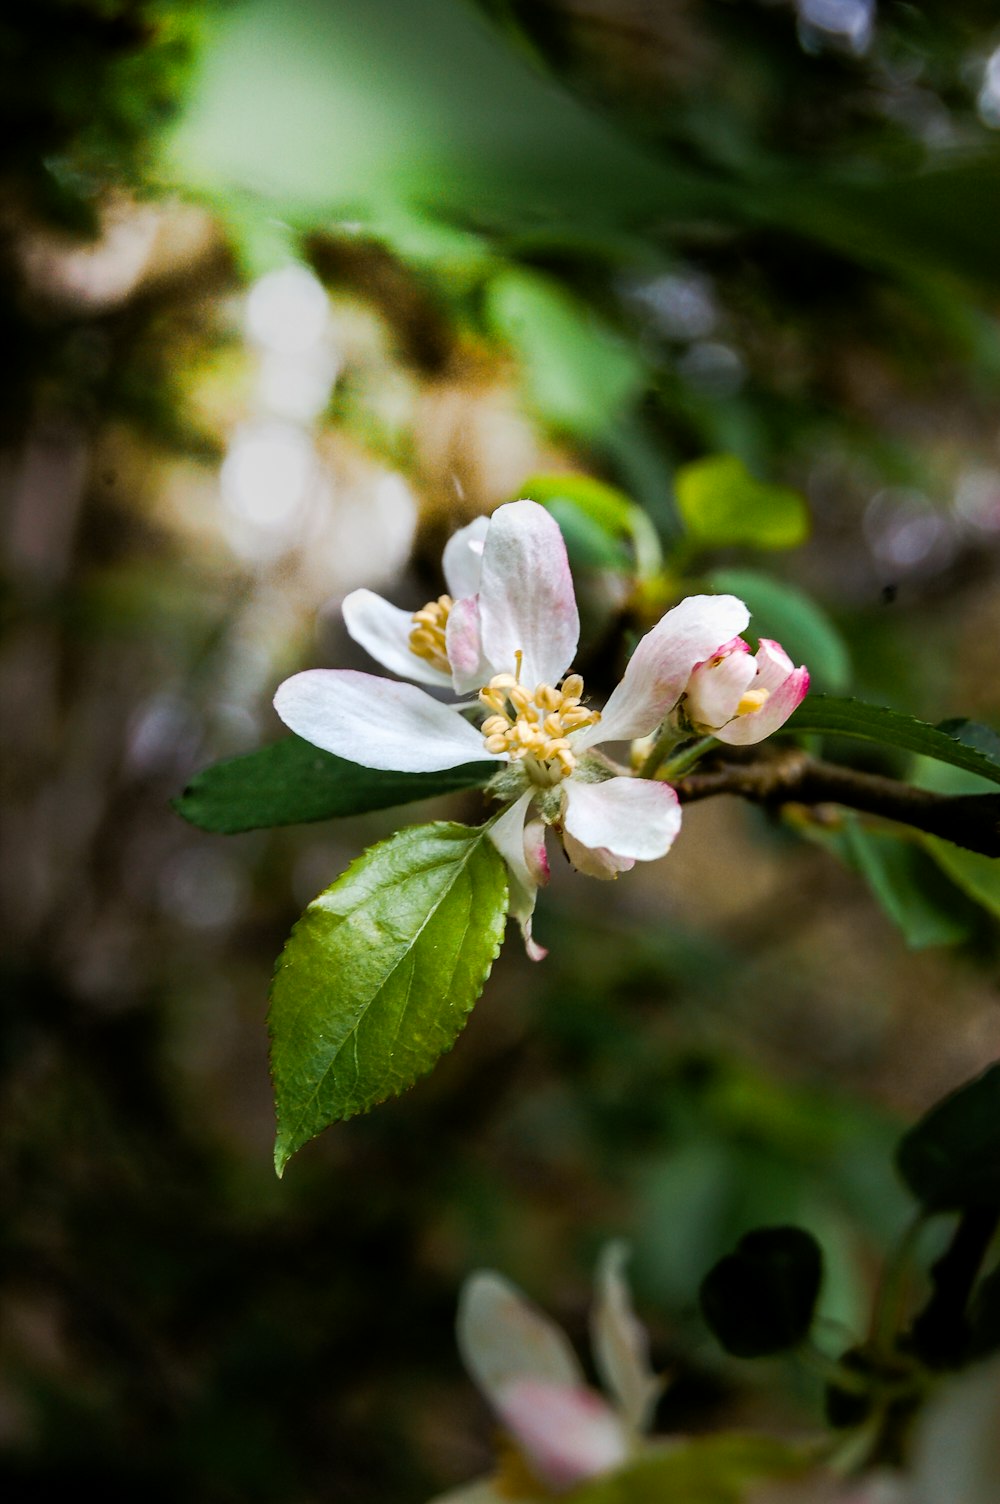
point(909, 887)
point(876, 723)
point(760, 1299)
point(951, 1159)
point(292, 782)
point(708, 1470)
point(618, 531)
point(782, 612)
point(380, 973)
point(722, 504)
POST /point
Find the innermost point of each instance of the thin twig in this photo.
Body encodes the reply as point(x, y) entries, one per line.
point(968, 820)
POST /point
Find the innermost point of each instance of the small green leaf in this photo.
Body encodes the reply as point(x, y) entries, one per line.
point(380, 973)
point(975, 874)
point(291, 781)
point(909, 886)
point(786, 614)
point(951, 1159)
point(876, 723)
point(760, 1300)
point(601, 519)
point(707, 1470)
point(579, 373)
point(722, 504)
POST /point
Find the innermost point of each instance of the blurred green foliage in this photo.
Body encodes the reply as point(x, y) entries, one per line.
point(706, 241)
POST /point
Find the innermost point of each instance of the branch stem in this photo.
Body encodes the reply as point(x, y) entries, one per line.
point(793, 777)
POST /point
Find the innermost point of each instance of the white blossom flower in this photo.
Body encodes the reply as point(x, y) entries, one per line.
point(412, 644)
point(514, 641)
point(741, 698)
point(562, 1431)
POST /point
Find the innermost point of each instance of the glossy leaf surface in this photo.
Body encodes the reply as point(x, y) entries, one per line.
point(291, 782)
point(380, 973)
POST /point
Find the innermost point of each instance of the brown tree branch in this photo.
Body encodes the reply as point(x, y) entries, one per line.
point(969, 820)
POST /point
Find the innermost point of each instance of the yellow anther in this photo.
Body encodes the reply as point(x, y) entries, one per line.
point(534, 726)
point(427, 639)
point(752, 700)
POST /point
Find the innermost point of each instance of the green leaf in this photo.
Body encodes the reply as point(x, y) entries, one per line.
point(722, 504)
point(876, 723)
point(786, 614)
point(909, 886)
point(292, 781)
point(708, 1470)
point(975, 874)
point(951, 1159)
point(380, 973)
point(618, 533)
point(579, 373)
point(760, 1300)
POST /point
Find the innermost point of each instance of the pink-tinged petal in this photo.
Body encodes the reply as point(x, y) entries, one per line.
point(745, 730)
point(955, 1453)
point(522, 847)
point(716, 688)
point(503, 1339)
point(659, 669)
point(462, 562)
point(595, 861)
point(383, 630)
point(377, 722)
point(463, 646)
point(773, 665)
point(620, 1342)
point(632, 817)
point(526, 599)
point(566, 1434)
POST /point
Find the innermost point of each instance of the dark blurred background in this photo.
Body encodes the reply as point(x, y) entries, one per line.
point(290, 289)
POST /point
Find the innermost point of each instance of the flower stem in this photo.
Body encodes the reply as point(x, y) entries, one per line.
point(686, 758)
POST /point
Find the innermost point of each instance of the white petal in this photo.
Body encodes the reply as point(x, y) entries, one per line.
point(464, 647)
point(568, 1434)
point(523, 849)
point(503, 1338)
point(384, 631)
point(659, 669)
point(462, 562)
point(716, 688)
point(595, 861)
point(746, 730)
point(632, 817)
point(377, 722)
point(620, 1342)
point(526, 599)
point(956, 1448)
point(773, 664)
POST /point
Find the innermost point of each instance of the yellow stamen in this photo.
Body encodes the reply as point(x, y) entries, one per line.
point(752, 700)
point(534, 726)
point(427, 639)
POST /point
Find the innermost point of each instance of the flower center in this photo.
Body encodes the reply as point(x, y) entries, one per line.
point(534, 726)
point(427, 639)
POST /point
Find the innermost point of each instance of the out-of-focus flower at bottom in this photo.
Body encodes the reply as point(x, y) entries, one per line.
point(557, 1430)
point(954, 1454)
